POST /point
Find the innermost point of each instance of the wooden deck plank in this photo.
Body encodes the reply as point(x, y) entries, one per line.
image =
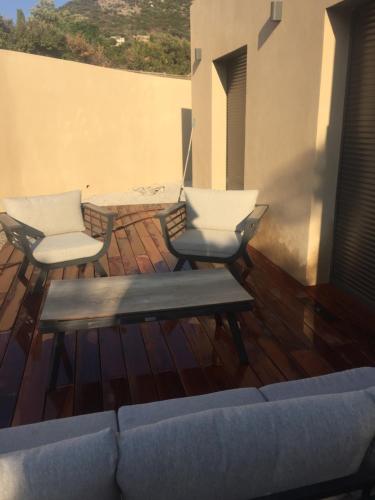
point(15, 357)
point(4, 339)
point(167, 380)
point(10, 258)
point(294, 331)
point(115, 385)
point(141, 381)
point(59, 402)
point(88, 395)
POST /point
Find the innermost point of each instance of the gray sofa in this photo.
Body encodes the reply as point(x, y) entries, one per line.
point(303, 439)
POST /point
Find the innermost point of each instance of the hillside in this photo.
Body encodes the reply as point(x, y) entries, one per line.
point(121, 17)
point(142, 35)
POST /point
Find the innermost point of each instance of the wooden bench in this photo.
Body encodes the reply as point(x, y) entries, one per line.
point(106, 302)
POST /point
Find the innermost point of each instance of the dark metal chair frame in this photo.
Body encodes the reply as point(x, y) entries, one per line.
point(23, 237)
point(173, 222)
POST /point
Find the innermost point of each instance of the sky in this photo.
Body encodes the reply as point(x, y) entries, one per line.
point(8, 8)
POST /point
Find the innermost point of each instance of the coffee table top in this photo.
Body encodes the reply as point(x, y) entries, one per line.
point(145, 294)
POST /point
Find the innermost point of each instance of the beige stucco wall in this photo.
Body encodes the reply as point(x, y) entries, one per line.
point(295, 96)
point(66, 125)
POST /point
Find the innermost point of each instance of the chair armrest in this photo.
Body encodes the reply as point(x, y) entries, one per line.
point(171, 210)
point(101, 226)
point(20, 235)
point(172, 221)
point(14, 226)
point(106, 212)
point(252, 222)
point(257, 214)
point(9, 223)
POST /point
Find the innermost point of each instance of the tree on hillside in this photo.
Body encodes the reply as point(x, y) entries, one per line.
point(6, 28)
point(21, 20)
point(68, 33)
point(44, 11)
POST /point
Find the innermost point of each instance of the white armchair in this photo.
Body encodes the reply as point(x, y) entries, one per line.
point(212, 226)
point(51, 231)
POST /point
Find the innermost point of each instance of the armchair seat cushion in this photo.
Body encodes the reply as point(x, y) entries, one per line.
point(65, 247)
point(208, 243)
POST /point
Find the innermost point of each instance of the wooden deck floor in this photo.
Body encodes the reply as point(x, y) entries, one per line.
point(294, 332)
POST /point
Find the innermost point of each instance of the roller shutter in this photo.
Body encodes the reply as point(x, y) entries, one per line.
point(236, 67)
point(354, 241)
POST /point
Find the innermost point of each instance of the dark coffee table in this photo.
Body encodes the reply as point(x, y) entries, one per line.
point(104, 302)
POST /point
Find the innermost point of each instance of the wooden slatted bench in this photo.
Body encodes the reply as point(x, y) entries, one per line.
point(119, 300)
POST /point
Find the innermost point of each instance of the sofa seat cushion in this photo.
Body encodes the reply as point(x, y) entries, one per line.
point(130, 417)
point(247, 451)
point(51, 431)
point(346, 381)
point(221, 210)
point(74, 469)
point(51, 214)
point(65, 247)
point(207, 242)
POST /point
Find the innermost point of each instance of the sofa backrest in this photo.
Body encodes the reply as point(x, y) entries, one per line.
point(50, 214)
point(221, 210)
point(74, 469)
point(249, 451)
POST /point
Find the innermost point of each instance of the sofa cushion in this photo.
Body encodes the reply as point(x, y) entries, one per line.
point(247, 451)
point(130, 417)
point(74, 469)
point(65, 247)
point(213, 209)
point(346, 381)
point(208, 242)
point(51, 431)
point(51, 214)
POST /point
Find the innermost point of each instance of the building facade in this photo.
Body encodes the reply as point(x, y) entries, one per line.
point(272, 112)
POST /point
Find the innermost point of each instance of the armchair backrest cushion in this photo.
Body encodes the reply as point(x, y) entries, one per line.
point(248, 451)
point(51, 214)
point(222, 210)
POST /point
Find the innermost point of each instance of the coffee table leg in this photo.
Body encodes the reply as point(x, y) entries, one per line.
point(57, 353)
point(237, 338)
point(218, 320)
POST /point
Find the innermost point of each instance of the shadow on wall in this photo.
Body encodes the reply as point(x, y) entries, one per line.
point(266, 31)
point(294, 202)
point(300, 184)
point(284, 234)
point(186, 129)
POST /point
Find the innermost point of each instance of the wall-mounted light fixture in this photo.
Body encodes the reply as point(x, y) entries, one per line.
point(198, 55)
point(276, 10)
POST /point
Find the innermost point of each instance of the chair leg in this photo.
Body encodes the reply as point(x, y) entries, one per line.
point(100, 270)
point(39, 285)
point(236, 275)
point(22, 270)
point(179, 265)
point(237, 338)
point(218, 321)
point(247, 259)
point(366, 493)
point(58, 347)
point(193, 264)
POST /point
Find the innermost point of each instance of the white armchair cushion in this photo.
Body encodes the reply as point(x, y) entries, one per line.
point(208, 243)
point(65, 247)
point(222, 210)
point(51, 214)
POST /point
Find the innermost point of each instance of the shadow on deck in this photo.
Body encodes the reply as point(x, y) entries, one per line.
point(294, 332)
